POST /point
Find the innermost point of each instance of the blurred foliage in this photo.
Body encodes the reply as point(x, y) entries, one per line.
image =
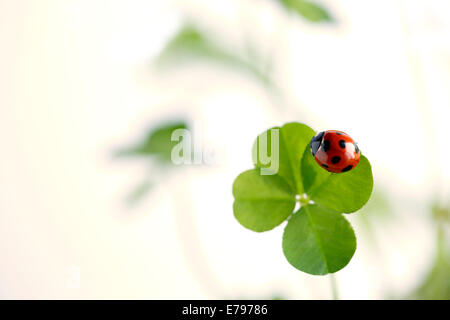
point(190, 43)
point(307, 10)
point(139, 193)
point(158, 143)
point(158, 146)
point(436, 284)
point(440, 214)
point(378, 208)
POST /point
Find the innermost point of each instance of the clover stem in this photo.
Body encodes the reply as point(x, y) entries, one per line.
point(334, 287)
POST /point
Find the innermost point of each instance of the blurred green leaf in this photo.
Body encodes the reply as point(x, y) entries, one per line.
point(261, 202)
point(344, 192)
point(378, 206)
point(377, 209)
point(440, 213)
point(192, 44)
point(318, 240)
point(139, 193)
point(308, 10)
point(436, 284)
point(292, 140)
point(158, 143)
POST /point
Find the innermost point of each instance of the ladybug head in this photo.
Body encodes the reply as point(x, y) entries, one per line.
point(316, 141)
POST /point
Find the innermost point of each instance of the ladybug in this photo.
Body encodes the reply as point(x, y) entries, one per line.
point(335, 151)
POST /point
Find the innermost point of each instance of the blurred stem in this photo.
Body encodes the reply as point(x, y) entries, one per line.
point(334, 287)
point(440, 239)
point(189, 239)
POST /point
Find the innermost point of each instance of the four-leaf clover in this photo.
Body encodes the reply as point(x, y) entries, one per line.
point(317, 238)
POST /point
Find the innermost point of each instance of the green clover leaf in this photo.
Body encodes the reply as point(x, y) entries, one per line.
point(344, 192)
point(317, 239)
point(261, 202)
point(293, 138)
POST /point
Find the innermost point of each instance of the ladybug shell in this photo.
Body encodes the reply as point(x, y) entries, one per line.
point(335, 151)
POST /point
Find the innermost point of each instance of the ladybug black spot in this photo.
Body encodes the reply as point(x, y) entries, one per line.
point(326, 145)
point(324, 165)
point(356, 148)
point(347, 168)
point(335, 159)
point(342, 144)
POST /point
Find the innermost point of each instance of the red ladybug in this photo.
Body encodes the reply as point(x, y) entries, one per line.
point(335, 151)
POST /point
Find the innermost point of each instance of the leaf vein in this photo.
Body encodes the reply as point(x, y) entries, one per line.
point(319, 242)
